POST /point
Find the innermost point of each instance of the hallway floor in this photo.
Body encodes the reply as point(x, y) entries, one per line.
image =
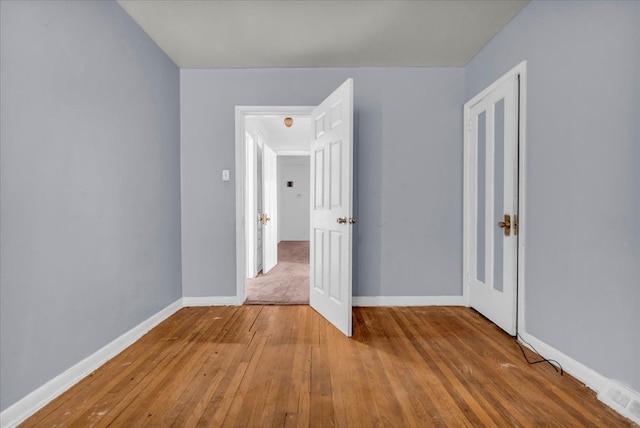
point(288, 282)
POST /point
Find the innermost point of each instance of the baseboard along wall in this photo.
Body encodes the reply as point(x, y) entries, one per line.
point(211, 301)
point(619, 397)
point(18, 412)
point(407, 301)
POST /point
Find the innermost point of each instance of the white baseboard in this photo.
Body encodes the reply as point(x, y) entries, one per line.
point(37, 399)
point(211, 301)
point(357, 301)
point(589, 377)
point(609, 391)
point(622, 399)
point(407, 301)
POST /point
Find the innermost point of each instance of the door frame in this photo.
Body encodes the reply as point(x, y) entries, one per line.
point(521, 71)
point(241, 113)
point(251, 237)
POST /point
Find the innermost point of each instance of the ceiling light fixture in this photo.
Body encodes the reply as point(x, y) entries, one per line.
point(288, 122)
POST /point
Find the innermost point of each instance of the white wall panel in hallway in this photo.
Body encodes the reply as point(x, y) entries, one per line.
point(293, 198)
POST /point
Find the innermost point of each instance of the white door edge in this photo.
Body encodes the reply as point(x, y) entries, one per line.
point(241, 113)
point(519, 70)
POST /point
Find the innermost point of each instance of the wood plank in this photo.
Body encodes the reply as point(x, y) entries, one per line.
point(130, 364)
point(475, 406)
point(321, 410)
point(286, 366)
point(540, 393)
point(186, 399)
point(410, 363)
point(138, 399)
point(521, 407)
point(414, 389)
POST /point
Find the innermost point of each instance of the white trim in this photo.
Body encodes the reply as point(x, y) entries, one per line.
point(250, 203)
point(37, 399)
point(622, 399)
point(241, 112)
point(408, 301)
point(211, 301)
point(521, 70)
point(589, 377)
point(27, 406)
point(294, 153)
point(466, 221)
point(522, 194)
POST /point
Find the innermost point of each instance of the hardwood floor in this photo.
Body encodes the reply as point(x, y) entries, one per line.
point(282, 366)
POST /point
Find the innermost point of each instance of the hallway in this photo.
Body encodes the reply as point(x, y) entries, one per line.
point(288, 282)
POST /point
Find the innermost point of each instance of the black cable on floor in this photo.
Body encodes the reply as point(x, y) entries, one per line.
point(553, 363)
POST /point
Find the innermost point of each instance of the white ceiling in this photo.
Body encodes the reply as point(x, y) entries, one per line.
point(282, 139)
point(321, 33)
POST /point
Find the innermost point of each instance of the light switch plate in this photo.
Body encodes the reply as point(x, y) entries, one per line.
point(225, 175)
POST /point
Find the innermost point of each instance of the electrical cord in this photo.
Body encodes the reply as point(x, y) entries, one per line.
point(553, 363)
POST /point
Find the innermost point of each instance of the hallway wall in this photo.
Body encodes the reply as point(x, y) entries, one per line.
point(294, 203)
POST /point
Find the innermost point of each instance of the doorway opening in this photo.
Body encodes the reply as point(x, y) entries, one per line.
point(331, 204)
point(288, 281)
point(276, 199)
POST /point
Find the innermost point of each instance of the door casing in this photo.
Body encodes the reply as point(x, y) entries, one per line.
point(521, 71)
point(241, 113)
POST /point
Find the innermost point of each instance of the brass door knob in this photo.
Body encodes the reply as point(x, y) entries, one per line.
point(506, 224)
point(352, 220)
point(264, 219)
point(342, 220)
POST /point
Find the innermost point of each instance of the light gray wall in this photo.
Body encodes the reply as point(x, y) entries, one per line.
point(90, 202)
point(408, 172)
point(294, 205)
point(583, 175)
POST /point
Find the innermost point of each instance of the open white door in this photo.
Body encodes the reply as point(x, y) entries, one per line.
point(258, 203)
point(331, 207)
point(491, 202)
point(270, 209)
